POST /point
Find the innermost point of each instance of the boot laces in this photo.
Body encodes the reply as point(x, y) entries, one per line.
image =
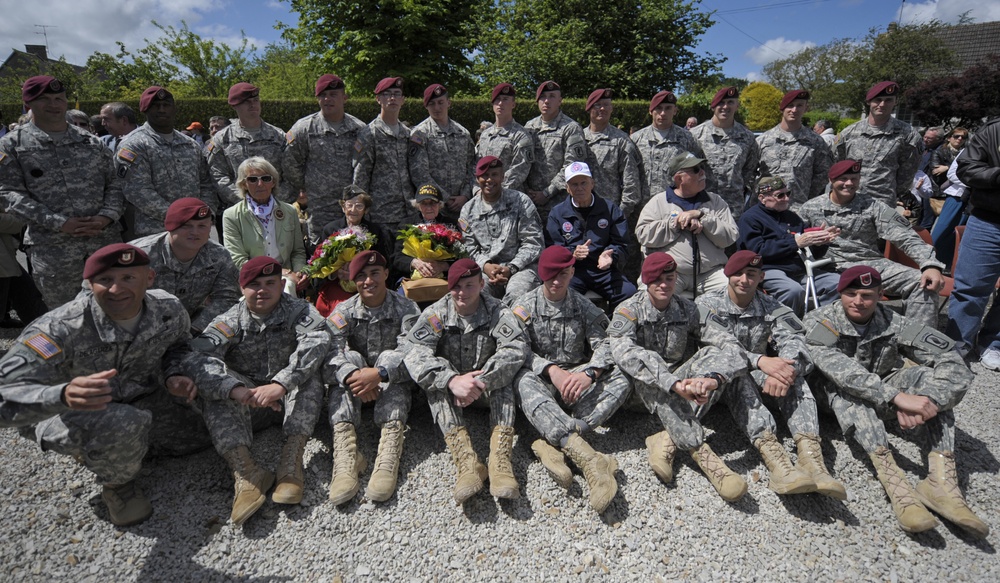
point(388, 447)
point(713, 464)
point(776, 454)
point(505, 445)
point(899, 486)
point(342, 461)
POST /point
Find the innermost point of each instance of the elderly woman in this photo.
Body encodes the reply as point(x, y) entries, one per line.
point(262, 225)
point(429, 204)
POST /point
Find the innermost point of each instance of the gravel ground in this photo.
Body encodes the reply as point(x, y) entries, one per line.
point(56, 528)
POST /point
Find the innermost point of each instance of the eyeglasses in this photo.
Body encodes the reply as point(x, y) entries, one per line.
point(82, 124)
point(392, 94)
point(779, 194)
point(352, 206)
point(266, 179)
point(695, 170)
point(960, 137)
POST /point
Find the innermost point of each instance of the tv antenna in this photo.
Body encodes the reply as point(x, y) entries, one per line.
point(45, 33)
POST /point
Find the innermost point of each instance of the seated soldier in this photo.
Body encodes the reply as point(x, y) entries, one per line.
point(364, 366)
point(858, 347)
point(200, 272)
point(777, 234)
point(654, 339)
point(94, 378)
point(273, 345)
point(770, 337)
point(465, 347)
point(596, 232)
point(569, 366)
point(502, 233)
point(691, 224)
point(863, 222)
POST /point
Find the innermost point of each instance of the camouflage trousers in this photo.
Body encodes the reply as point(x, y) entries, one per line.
point(747, 405)
point(921, 305)
point(865, 420)
point(112, 443)
point(393, 404)
point(520, 284)
point(542, 404)
point(448, 415)
point(58, 269)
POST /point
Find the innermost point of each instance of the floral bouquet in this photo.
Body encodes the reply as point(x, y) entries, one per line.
point(431, 242)
point(337, 251)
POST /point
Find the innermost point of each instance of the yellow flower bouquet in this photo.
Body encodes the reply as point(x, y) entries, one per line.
point(337, 251)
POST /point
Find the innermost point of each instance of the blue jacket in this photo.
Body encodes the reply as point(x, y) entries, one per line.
point(771, 235)
point(604, 225)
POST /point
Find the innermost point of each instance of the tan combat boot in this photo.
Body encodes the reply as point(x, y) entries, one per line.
point(471, 472)
point(554, 461)
point(290, 478)
point(785, 478)
point(729, 485)
point(126, 504)
point(940, 492)
point(347, 464)
point(382, 483)
point(598, 469)
point(910, 513)
point(811, 462)
point(502, 481)
point(661, 455)
point(251, 483)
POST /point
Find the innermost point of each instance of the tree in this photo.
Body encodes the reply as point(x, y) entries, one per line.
point(423, 41)
point(636, 48)
point(958, 100)
point(818, 70)
point(760, 103)
point(284, 72)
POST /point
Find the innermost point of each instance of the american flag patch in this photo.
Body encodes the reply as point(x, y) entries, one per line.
point(3, 157)
point(127, 155)
point(211, 146)
point(338, 320)
point(626, 312)
point(289, 137)
point(43, 345)
point(521, 313)
point(358, 146)
point(226, 330)
point(435, 323)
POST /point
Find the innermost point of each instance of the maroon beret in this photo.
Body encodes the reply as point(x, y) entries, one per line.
point(39, 85)
point(241, 92)
point(328, 81)
point(502, 89)
point(553, 260)
point(660, 98)
point(487, 162)
point(860, 277)
point(388, 83)
point(844, 167)
point(597, 95)
point(792, 96)
point(724, 93)
point(183, 210)
point(884, 88)
point(116, 255)
point(462, 268)
point(258, 267)
point(154, 93)
point(742, 260)
point(655, 265)
point(546, 86)
point(433, 92)
point(363, 260)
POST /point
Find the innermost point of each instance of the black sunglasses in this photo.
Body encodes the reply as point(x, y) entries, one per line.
point(267, 178)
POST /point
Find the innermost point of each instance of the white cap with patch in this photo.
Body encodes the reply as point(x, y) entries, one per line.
point(578, 169)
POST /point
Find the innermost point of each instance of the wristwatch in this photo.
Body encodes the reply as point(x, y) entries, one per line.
point(513, 268)
point(382, 373)
point(719, 379)
point(591, 374)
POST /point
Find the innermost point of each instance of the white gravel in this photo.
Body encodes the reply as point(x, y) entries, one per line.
point(56, 528)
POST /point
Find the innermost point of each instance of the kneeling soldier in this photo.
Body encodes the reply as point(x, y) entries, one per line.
point(366, 364)
point(276, 344)
point(570, 361)
point(654, 337)
point(858, 348)
point(465, 346)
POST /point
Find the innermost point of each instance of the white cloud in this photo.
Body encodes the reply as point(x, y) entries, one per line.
point(753, 76)
point(949, 10)
point(777, 48)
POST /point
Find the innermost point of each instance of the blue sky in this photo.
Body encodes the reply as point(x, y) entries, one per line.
point(750, 33)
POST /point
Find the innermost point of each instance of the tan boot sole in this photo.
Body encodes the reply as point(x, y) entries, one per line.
point(981, 530)
point(287, 493)
point(380, 495)
point(254, 506)
point(347, 496)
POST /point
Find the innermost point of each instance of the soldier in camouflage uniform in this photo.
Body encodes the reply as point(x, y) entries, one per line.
point(63, 188)
point(731, 150)
point(250, 136)
point(365, 365)
point(502, 233)
point(320, 154)
point(772, 341)
point(158, 164)
point(858, 348)
point(794, 152)
point(569, 366)
point(99, 379)
point(654, 338)
point(863, 221)
point(467, 347)
point(451, 153)
point(613, 159)
point(659, 142)
point(273, 345)
point(558, 143)
point(889, 149)
point(508, 140)
point(198, 271)
point(392, 162)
